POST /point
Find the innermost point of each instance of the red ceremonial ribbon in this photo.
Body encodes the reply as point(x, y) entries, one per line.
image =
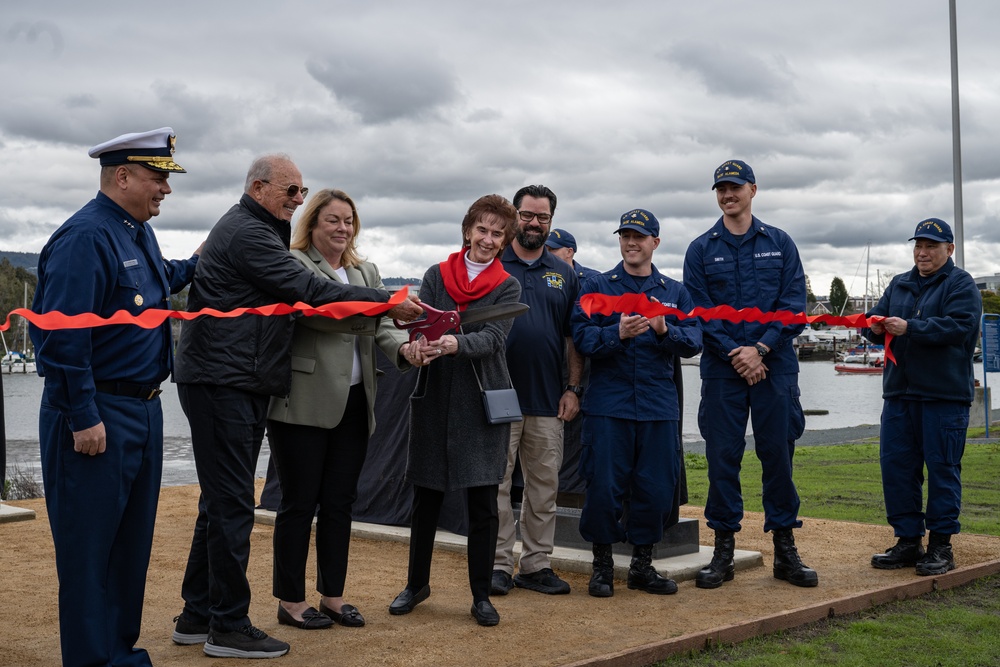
point(154, 317)
point(590, 303)
point(639, 304)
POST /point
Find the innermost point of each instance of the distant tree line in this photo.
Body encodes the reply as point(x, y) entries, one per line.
point(12, 282)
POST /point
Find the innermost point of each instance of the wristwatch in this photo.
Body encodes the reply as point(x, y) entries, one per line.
point(761, 350)
point(575, 388)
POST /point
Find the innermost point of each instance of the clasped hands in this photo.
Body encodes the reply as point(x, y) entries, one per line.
point(421, 352)
point(630, 326)
point(748, 363)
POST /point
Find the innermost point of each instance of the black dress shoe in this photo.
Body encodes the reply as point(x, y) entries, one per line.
point(485, 613)
point(349, 615)
point(407, 600)
point(311, 619)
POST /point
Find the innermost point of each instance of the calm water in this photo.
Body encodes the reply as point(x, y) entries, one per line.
point(851, 400)
point(23, 393)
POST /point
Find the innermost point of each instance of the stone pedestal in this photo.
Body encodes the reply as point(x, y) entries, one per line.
point(977, 413)
point(9, 513)
point(679, 540)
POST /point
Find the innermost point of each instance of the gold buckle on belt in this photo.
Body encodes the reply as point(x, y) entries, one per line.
point(154, 393)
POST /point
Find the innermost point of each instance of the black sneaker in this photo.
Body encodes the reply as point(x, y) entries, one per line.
point(500, 583)
point(544, 581)
point(247, 642)
point(187, 632)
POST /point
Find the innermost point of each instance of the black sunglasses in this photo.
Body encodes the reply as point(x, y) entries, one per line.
point(290, 190)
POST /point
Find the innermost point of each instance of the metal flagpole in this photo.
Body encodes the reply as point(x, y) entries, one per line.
point(956, 136)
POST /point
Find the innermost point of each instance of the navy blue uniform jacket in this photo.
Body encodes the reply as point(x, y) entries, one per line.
point(103, 260)
point(634, 378)
point(764, 271)
point(934, 357)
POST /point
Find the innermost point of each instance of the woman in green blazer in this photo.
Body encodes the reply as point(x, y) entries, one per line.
point(318, 434)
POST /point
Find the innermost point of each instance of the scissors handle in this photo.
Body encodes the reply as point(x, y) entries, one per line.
point(433, 325)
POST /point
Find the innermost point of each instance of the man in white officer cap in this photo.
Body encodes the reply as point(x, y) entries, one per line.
point(101, 424)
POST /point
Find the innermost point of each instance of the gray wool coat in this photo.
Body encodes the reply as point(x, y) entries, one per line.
point(451, 444)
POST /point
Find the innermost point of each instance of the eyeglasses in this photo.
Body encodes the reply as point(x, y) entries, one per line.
point(290, 190)
point(543, 218)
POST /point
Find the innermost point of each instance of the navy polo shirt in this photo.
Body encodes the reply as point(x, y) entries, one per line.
point(536, 343)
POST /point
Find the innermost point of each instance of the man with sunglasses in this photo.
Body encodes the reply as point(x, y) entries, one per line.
point(227, 369)
point(536, 347)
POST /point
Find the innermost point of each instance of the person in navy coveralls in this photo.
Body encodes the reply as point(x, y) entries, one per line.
point(100, 423)
point(933, 314)
point(630, 413)
point(748, 370)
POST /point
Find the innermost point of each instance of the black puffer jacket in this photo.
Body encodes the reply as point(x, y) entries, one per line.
point(246, 263)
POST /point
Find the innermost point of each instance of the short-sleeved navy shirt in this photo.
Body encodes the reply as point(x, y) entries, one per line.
point(536, 343)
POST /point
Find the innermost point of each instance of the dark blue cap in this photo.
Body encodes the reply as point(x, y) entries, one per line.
point(641, 221)
point(734, 171)
point(934, 229)
point(560, 238)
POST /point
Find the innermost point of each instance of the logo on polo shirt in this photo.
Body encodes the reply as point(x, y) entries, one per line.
point(553, 279)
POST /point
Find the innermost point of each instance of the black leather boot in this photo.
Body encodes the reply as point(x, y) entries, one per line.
point(906, 552)
point(602, 581)
point(722, 568)
point(787, 564)
point(644, 577)
point(939, 557)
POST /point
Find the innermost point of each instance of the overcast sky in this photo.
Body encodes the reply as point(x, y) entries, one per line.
point(418, 108)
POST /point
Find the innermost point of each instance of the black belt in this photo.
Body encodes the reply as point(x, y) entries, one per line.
point(144, 391)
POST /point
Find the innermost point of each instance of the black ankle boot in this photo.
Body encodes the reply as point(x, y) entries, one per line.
point(602, 581)
point(906, 552)
point(939, 557)
point(722, 568)
point(644, 577)
point(787, 564)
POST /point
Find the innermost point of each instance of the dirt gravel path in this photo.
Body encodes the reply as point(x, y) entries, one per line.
point(535, 629)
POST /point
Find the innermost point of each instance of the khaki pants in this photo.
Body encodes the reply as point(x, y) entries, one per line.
point(539, 441)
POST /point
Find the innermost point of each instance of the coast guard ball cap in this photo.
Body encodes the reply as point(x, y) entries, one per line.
point(641, 221)
point(934, 229)
point(560, 238)
point(153, 149)
point(734, 171)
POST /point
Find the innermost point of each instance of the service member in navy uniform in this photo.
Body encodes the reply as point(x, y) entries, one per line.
point(932, 312)
point(562, 244)
point(100, 424)
point(631, 412)
point(748, 370)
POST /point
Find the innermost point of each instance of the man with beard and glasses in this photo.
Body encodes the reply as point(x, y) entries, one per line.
point(536, 347)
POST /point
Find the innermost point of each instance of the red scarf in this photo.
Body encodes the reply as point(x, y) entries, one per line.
point(456, 279)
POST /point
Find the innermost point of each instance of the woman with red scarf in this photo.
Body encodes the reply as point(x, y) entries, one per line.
point(452, 446)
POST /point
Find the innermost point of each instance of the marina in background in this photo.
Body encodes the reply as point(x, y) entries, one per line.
point(848, 400)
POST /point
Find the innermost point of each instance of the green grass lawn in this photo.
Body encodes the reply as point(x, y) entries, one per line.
point(959, 627)
point(843, 482)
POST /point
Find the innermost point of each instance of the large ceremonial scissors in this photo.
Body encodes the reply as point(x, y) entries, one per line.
point(436, 323)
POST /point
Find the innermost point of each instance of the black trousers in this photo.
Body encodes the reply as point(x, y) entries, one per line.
point(317, 467)
point(227, 427)
point(483, 524)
